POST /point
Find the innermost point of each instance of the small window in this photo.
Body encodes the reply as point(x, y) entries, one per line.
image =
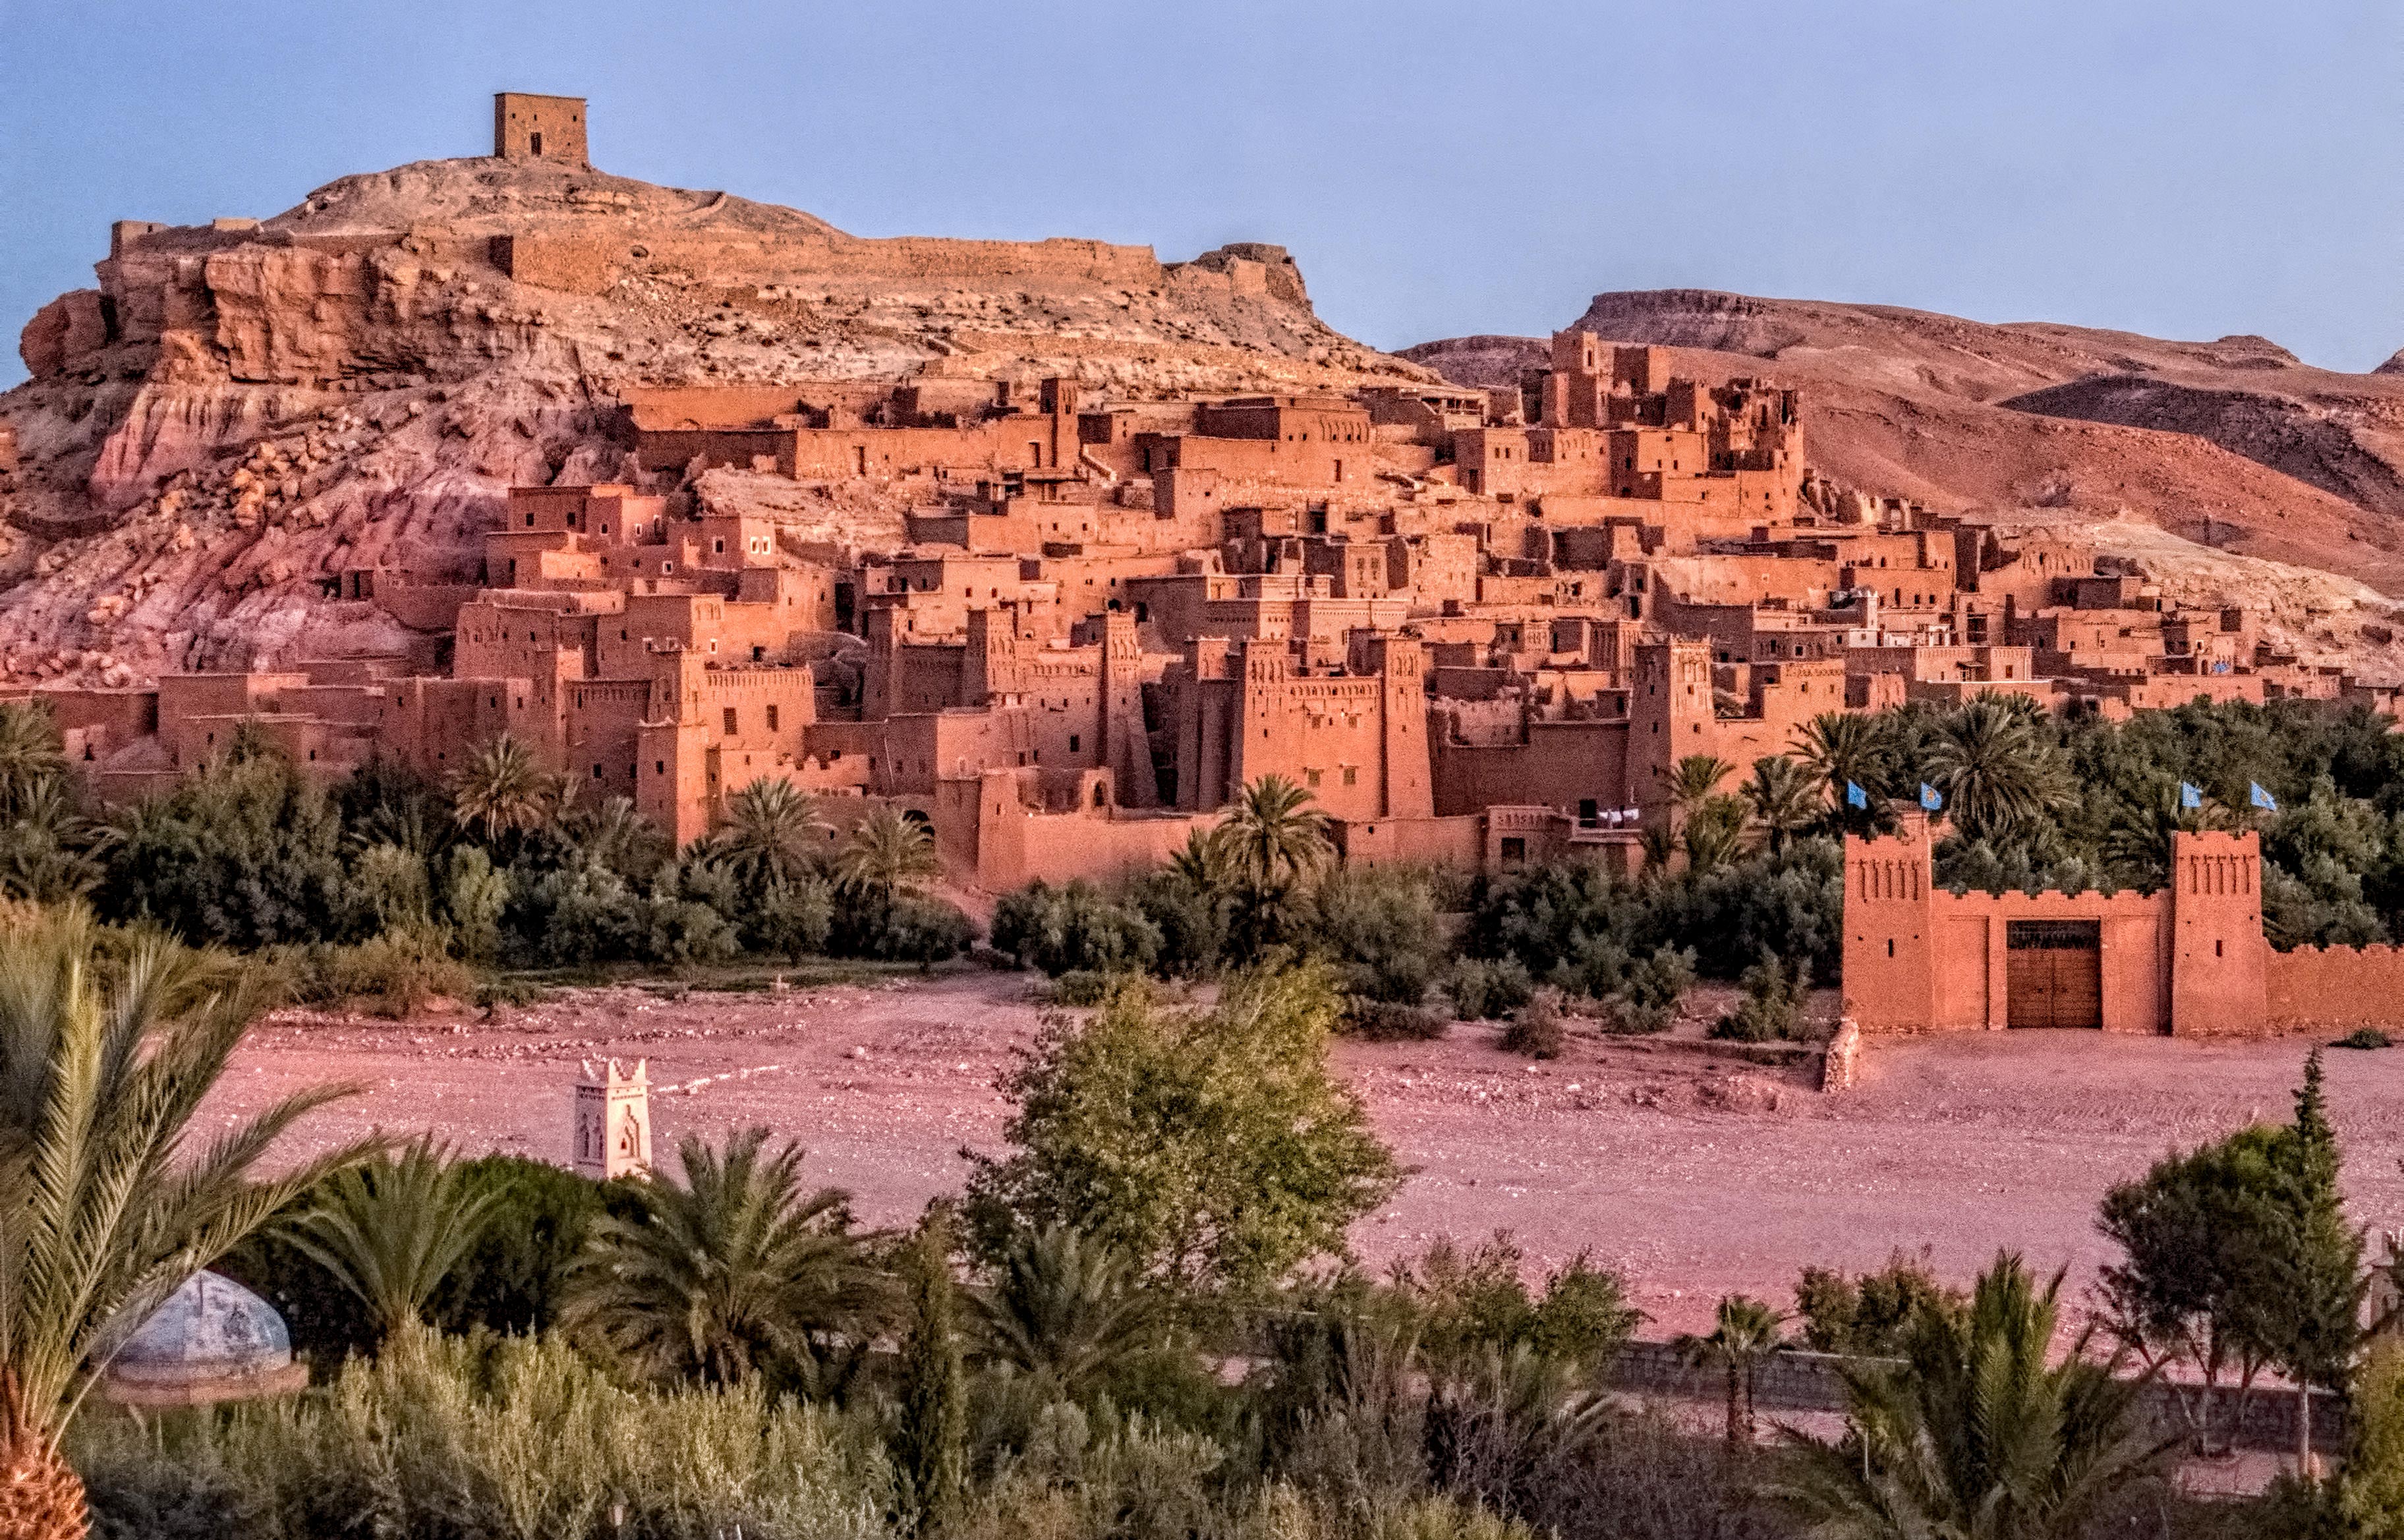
point(1351, 774)
point(1890, 947)
point(771, 718)
point(659, 767)
point(1072, 743)
point(730, 719)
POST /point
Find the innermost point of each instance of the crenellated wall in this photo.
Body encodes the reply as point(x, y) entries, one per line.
point(2316, 988)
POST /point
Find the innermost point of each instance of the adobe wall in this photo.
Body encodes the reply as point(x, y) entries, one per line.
point(2190, 959)
point(1459, 840)
point(2335, 988)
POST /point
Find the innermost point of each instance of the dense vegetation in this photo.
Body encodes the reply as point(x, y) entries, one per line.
point(388, 884)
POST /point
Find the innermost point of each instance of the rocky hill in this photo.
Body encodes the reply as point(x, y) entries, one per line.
point(2233, 445)
point(240, 412)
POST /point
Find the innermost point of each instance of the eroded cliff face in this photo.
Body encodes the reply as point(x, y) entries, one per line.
point(236, 415)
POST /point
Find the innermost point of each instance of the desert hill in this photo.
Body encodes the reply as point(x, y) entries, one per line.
point(242, 411)
point(2233, 444)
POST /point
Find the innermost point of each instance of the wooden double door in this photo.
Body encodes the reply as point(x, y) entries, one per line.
point(2054, 972)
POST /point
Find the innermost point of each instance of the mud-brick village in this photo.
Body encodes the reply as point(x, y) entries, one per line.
point(669, 872)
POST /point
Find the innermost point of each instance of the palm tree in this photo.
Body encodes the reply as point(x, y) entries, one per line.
point(1978, 1436)
point(503, 791)
point(1995, 769)
point(1067, 1306)
point(44, 851)
point(1203, 861)
point(1273, 837)
point(391, 1230)
point(888, 854)
point(1846, 747)
point(1692, 782)
point(1744, 1333)
point(1786, 797)
point(773, 831)
point(106, 1052)
point(1714, 833)
point(31, 758)
point(614, 835)
point(737, 1272)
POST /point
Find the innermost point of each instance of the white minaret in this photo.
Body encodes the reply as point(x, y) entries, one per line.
point(613, 1121)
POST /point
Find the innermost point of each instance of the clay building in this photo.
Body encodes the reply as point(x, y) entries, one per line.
point(526, 127)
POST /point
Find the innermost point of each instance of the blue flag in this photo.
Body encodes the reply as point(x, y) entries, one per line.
point(2264, 800)
point(1855, 796)
point(1929, 798)
point(2189, 796)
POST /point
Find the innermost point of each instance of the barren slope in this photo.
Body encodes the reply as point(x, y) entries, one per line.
point(2233, 444)
point(240, 413)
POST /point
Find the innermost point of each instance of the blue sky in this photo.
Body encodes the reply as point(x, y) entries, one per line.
point(2184, 169)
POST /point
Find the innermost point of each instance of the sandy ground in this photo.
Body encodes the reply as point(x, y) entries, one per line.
point(1692, 1176)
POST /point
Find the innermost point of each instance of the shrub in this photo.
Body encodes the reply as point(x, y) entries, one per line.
point(1073, 928)
point(490, 1441)
point(1082, 988)
point(1486, 990)
point(908, 928)
point(1869, 1315)
point(1384, 1021)
point(792, 918)
point(475, 897)
point(1537, 1028)
point(396, 973)
point(512, 1279)
point(1193, 919)
point(2365, 1037)
point(1773, 1008)
point(1379, 928)
point(1648, 994)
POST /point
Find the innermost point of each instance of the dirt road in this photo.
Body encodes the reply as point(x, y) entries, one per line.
point(1693, 1176)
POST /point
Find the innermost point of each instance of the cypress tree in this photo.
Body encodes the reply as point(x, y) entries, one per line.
point(932, 1444)
point(2323, 1260)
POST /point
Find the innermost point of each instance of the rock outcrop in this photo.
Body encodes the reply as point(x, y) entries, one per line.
point(241, 412)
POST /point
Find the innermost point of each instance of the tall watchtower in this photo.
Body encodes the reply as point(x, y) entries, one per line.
point(526, 127)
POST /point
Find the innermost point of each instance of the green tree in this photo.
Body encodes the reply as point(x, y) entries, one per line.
point(1067, 1307)
point(1273, 837)
point(2322, 1283)
point(2201, 1280)
point(503, 791)
point(1869, 1316)
point(1713, 832)
point(2371, 1490)
point(735, 1272)
point(1846, 748)
point(1744, 1333)
point(1215, 1149)
point(1981, 1434)
point(475, 897)
point(930, 1446)
point(104, 1058)
point(773, 833)
point(391, 1230)
point(888, 854)
point(1996, 771)
point(1786, 797)
point(1692, 782)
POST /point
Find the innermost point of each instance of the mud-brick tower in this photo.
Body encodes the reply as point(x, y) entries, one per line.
point(612, 1129)
point(1126, 747)
point(2218, 958)
point(526, 127)
point(1890, 981)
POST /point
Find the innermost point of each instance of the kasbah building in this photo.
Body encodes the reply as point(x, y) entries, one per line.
point(1478, 627)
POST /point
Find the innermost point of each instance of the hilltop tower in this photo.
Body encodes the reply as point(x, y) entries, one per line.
point(526, 127)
